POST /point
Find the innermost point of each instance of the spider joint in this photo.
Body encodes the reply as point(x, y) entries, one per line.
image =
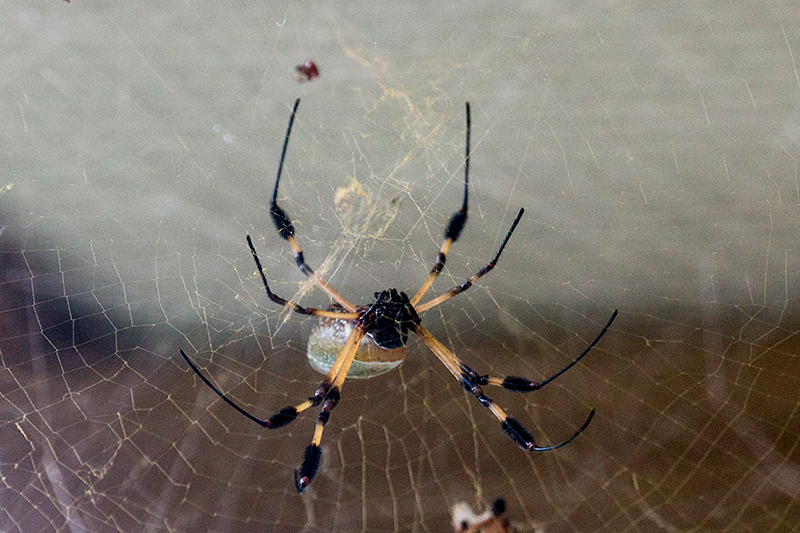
point(281, 418)
point(484, 400)
point(308, 470)
point(518, 433)
point(517, 384)
point(456, 224)
point(300, 260)
point(331, 399)
point(282, 221)
point(472, 377)
point(320, 394)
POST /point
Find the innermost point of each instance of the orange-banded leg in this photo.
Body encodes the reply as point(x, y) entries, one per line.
point(282, 417)
point(291, 305)
point(454, 227)
point(519, 384)
point(471, 382)
point(286, 228)
point(327, 394)
point(468, 283)
point(279, 419)
point(287, 414)
point(333, 389)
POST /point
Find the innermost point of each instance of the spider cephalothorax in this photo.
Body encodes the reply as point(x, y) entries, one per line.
point(364, 341)
point(391, 318)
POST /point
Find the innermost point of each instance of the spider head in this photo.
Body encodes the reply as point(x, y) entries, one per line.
point(390, 318)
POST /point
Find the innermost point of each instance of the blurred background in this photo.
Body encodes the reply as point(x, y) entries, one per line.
point(654, 147)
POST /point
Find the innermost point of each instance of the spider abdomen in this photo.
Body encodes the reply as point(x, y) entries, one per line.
point(386, 323)
point(327, 340)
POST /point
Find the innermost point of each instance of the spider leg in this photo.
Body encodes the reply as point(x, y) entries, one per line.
point(331, 389)
point(286, 228)
point(291, 305)
point(454, 227)
point(469, 380)
point(287, 414)
point(327, 394)
point(518, 384)
point(468, 283)
point(262, 423)
point(279, 419)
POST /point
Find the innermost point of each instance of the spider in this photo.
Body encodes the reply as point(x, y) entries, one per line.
point(383, 327)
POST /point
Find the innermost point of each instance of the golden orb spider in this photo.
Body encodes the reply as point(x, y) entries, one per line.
point(382, 328)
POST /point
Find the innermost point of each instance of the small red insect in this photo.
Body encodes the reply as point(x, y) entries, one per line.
point(308, 71)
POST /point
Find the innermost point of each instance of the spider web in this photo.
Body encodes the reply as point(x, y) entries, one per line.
point(654, 148)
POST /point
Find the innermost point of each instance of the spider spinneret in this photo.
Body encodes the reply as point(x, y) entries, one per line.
point(360, 336)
